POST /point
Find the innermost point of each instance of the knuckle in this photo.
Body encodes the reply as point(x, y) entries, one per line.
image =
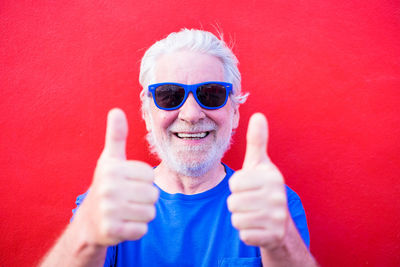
point(143, 229)
point(106, 210)
point(231, 203)
point(236, 221)
point(149, 173)
point(154, 194)
point(138, 231)
point(153, 213)
point(245, 237)
point(150, 213)
point(278, 198)
point(105, 229)
point(110, 170)
point(104, 191)
point(105, 171)
point(232, 184)
point(234, 181)
point(263, 215)
point(117, 231)
point(279, 216)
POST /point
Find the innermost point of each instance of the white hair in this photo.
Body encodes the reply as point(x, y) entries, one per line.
point(195, 41)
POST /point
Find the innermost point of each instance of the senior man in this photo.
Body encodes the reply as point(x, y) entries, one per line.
point(191, 210)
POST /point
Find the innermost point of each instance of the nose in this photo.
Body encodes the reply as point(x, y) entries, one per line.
point(191, 112)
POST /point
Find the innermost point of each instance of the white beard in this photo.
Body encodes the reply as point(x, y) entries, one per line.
point(192, 161)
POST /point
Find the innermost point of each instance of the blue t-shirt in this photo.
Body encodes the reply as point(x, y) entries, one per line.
point(196, 230)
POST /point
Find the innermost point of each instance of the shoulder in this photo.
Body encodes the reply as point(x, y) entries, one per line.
point(228, 170)
point(292, 196)
point(78, 202)
point(294, 202)
point(298, 214)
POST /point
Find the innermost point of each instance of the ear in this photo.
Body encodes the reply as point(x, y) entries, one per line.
point(146, 116)
point(236, 117)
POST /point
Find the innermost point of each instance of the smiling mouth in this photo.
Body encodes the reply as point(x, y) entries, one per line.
point(192, 136)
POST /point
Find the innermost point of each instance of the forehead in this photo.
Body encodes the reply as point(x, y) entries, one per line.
point(188, 67)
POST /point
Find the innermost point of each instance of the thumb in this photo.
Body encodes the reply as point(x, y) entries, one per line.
point(256, 141)
point(116, 134)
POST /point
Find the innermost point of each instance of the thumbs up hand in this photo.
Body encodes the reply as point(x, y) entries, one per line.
point(258, 201)
point(121, 198)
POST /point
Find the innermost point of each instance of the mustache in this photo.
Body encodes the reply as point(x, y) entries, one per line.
point(203, 126)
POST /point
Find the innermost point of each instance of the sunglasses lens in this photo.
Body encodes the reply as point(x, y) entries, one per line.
point(169, 95)
point(211, 95)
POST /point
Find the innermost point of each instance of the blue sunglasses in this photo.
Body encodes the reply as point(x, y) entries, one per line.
point(209, 95)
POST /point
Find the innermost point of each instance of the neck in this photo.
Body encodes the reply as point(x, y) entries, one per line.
point(172, 182)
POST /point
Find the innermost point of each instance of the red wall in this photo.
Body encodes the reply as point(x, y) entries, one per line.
point(326, 73)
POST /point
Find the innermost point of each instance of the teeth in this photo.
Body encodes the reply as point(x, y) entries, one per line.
point(194, 135)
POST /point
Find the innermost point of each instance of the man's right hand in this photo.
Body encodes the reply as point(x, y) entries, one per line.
point(120, 202)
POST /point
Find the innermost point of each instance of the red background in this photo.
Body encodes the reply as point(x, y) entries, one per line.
point(326, 74)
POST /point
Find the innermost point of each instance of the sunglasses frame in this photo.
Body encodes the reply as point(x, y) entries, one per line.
point(192, 88)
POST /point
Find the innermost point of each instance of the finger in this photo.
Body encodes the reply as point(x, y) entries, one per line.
point(247, 201)
point(126, 169)
point(257, 139)
point(141, 193)
point(239, 182)
point(249, 220)
point(135, 212)
point(132, 191)
point(138, 170)
point(265, 176)
point(263, 219)
point(262, 238)
point(116, 134)
point(126, 230)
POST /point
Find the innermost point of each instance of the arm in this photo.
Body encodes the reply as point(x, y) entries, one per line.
point(291, 252)
point(259, 204)
point(118, 206)
point(73, 248)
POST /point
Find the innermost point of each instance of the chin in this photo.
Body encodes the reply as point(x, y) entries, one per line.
point(192, 161)
point(191, 168)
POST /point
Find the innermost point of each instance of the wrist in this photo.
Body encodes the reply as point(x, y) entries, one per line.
point(82, 240)
point(291, 251)
point(74, 249)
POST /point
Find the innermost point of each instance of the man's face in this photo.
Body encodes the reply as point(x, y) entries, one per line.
point(190, 140)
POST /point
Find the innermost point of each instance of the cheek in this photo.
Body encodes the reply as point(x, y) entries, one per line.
point(225, 123)
point(162, 119)
point(228, 116)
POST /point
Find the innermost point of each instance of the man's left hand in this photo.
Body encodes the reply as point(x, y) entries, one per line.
point(258, 201)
